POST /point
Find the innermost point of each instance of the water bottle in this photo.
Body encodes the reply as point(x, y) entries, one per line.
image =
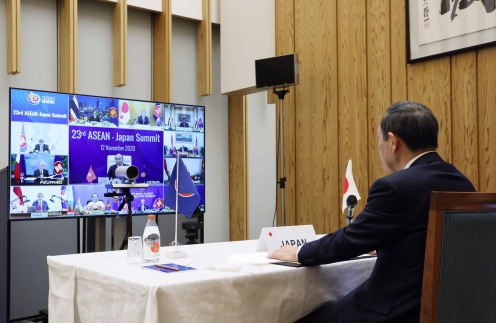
point(151, 241)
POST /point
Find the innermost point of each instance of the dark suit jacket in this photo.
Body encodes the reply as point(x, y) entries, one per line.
point(44, 205)
point(145, 121)
point(44, 146)
point(93, 118)
point(184, 124)
point(37, 173)
point(139, 207)
point(111, 171)
point(394, 222)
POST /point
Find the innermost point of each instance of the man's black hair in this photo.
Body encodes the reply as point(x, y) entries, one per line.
point(413, 122)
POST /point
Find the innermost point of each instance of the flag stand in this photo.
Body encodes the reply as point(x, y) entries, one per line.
point(282, 179)
point(176, 254)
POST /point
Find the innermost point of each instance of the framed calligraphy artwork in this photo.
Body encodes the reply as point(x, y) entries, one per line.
point(440, 27)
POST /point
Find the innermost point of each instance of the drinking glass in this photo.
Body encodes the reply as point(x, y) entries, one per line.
point(134, 250)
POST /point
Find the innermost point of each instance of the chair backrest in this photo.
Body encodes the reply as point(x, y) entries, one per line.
point(459, 283)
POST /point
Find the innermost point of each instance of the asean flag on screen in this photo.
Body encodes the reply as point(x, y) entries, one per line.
point(188, 198)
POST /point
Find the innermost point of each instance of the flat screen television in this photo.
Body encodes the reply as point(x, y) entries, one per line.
point(64, 148)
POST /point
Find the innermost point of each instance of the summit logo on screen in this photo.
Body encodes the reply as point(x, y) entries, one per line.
point(33, 98)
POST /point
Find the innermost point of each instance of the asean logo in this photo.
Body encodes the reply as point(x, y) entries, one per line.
point(113, 112)
point(183, 194)
point(159, 202)
point(22, 141)
point(33, 98)
point(57, 167)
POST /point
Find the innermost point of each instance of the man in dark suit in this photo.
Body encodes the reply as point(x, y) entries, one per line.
point(143, 119)
point(40, 204)
point(184, 123)
point(41, 171)
point(95, 117)
point(142, 207)
point(41, 147)
point(119, 161)
point(394, 222)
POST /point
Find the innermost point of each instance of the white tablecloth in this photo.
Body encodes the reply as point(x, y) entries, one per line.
point(102, 287)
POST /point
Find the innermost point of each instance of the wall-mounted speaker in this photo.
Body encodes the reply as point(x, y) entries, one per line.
point(279, 71)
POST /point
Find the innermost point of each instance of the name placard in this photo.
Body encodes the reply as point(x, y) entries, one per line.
point(273, 238)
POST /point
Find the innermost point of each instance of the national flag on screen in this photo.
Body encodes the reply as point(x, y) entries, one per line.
point(157, 111)
point(108, 205)
point(349, 186)
point(165, 168)
point(124, 113)
point(22, 140)
point(19, 168)
point(90, 177)
point(195, 150)
point(70, 199)
point(58, 169)
point(63, 197)
point(74, 109)
point(200, 123)
point(203, 169)
point(188, 198)
point(18, 192)
point(79, 207)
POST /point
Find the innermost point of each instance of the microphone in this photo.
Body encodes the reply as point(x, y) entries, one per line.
point(134, 121)
point(351, 203)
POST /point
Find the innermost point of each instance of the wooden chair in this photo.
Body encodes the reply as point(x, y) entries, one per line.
point(459, 283)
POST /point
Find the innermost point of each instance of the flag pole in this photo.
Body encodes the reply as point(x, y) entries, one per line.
point(177, 198)
point(176, 254)
point(282, 179)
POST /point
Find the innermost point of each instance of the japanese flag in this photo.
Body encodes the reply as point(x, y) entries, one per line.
point(349, 186)
point(124, 113)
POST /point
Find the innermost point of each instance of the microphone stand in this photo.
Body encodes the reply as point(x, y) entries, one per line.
point(282, 179)
point(351, 203)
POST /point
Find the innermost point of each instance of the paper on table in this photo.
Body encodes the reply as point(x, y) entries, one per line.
point(253, 258)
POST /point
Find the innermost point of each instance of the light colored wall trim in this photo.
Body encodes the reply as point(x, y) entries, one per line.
point(189, 9)
point(215, 12)
point(120, 43)
point(149, 5)
point(13, 36)
point(245, 39)
point(68, 17)
point(162, 53)
point(205, 52)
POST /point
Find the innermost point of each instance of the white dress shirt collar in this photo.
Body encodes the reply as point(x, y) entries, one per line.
point(415, 158)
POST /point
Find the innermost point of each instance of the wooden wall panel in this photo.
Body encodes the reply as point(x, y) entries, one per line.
point(398, 51)
point(13, 8)
point(120, 43)
point(285, 44)
point(378, 77)
point(162, 53)
point(68, 11)
point(464, 115)
point(486, 90)
point(352, 98)
point(238, 168)
point(316, 116)
point(205, 51)
point(429, 83)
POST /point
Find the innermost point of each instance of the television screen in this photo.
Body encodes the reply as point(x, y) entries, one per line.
point(64, 149)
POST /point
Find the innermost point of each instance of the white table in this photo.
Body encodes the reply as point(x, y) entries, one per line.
point(102, 287)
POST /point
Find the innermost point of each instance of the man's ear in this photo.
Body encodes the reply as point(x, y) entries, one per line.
point(394, 142)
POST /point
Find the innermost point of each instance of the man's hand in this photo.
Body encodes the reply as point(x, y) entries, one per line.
point(286, 253)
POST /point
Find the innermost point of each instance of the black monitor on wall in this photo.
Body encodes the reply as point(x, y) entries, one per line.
point(64, 148)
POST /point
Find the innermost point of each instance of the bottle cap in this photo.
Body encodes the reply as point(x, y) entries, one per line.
point(151, 216)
